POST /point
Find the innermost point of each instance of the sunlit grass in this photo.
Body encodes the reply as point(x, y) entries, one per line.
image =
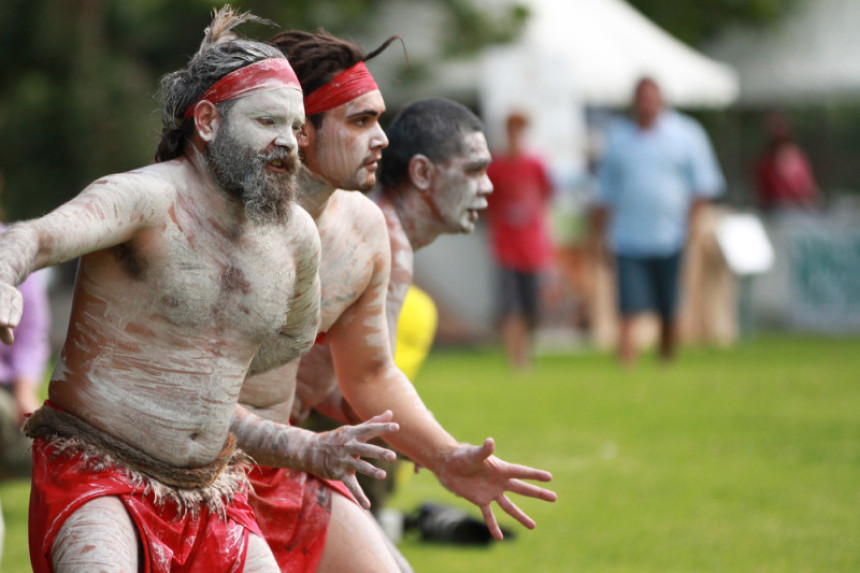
point(745, 459)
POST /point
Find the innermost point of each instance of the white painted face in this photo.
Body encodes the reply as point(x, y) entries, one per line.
point(460, 185)
point(346, 150)
point(267, 119)
point(254, 152)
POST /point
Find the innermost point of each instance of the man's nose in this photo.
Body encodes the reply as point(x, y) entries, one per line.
point(379, 140)
point(486, 185)
point(287, 139)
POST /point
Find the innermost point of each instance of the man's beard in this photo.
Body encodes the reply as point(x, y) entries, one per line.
point(242, 172)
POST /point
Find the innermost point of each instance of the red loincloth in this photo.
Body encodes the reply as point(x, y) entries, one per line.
point(172, 540)
point(293, 510)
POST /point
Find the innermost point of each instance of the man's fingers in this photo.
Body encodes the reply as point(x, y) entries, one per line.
point(352, 485)
point(515, 512)
point(531, 490)
point(479, 453)
point(519, 471)
point(367, 469)
point(488, 447)
point(492, 524)
point(373, 452)
point(368, 431)
point(11, 306)
point(386, 416)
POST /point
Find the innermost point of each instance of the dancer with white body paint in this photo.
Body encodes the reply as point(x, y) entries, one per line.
point(341, 144)
point(187, 267)
point(434, 181)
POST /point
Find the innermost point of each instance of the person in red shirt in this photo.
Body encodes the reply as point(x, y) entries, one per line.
point(783, 173)
point(520, 238)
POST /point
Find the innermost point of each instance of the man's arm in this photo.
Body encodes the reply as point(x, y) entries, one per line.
point(106, 213)
point(333, 404)
point(303, 317)
point(331, 455)
point(371, 383)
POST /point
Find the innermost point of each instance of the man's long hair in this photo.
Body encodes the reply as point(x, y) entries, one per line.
point(431, 127)
point(220, 53)
point(317, 57)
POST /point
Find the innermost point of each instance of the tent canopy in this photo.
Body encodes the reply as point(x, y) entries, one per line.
point(602, 47)
point(609, 46)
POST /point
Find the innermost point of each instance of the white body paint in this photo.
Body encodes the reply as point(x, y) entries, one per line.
point(179, 337)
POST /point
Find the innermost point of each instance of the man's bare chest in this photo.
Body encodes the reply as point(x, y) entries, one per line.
point(243, 285)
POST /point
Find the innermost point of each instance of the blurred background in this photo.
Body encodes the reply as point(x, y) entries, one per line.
point(79, 76)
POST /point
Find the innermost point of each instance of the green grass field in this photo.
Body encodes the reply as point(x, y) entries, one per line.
point(737, 460)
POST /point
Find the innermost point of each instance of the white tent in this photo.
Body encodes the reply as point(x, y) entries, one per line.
point(811, 55)
point(603, 46)
point(608, 45)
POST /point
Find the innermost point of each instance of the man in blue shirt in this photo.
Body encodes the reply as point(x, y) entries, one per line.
point(658, 169)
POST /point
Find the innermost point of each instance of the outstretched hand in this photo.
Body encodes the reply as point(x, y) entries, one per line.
point(11, 305)
point(474, 473)
point(337, 454)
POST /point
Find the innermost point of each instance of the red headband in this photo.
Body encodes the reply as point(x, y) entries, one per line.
point(265, 74)
point(346, 86)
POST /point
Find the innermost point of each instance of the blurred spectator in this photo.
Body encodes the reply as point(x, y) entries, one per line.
point(783, 173)
point(518, 217)
point(22, 369)
point(657, 172)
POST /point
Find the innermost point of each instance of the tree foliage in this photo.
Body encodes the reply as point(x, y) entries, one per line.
point(78, 78)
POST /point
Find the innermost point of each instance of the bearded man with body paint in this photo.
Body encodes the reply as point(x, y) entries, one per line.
point(341, 144)
point(187, 267)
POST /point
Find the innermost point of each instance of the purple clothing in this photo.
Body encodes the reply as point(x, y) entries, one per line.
point(29, 355)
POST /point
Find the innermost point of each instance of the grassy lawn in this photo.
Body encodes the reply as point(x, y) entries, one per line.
point(745, 459)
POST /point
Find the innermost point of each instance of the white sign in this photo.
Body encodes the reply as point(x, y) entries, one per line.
point(745, 245)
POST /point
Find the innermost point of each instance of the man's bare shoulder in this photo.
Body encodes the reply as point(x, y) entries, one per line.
point(154, 185)
point(358, 211)
point(301, 231)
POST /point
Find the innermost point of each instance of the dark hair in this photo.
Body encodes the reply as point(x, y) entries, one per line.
point(221, 53)
point(432, 127)
point(317, 57)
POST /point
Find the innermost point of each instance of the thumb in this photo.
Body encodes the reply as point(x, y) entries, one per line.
point(6, 335)
point(483, 451)
point(489, 447)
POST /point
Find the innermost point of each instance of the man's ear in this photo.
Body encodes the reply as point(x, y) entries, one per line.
point(207, 119)
point(305, 135)
point(421, 171)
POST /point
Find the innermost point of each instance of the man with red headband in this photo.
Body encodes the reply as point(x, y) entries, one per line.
point(341, 144)
point(187, 267)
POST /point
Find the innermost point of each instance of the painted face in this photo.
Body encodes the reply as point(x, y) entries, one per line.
point(254, 153)
point(346, 150)
point(460, 185)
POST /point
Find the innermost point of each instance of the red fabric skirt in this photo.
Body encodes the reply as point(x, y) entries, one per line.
point(172, 540)
point(293, 510)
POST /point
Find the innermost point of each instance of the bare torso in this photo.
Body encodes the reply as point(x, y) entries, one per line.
point(402, 263)
point(165, 323)
point(352, 238)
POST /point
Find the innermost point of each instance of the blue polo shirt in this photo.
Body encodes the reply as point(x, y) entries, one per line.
point(648, 179)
